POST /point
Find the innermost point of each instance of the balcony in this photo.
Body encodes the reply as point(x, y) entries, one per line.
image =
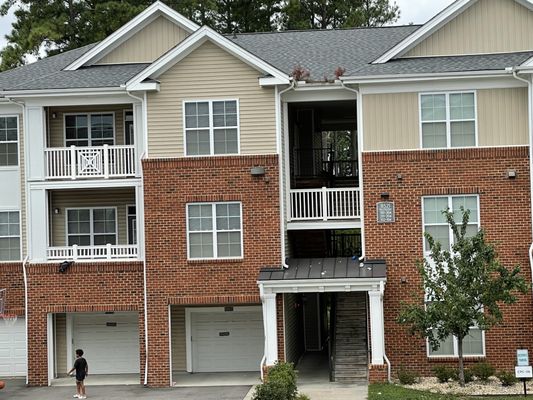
point(324, 204)
point(90, 162)
point(107, 252)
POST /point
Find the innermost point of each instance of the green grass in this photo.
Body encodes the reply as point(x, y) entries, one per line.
point(393, 392)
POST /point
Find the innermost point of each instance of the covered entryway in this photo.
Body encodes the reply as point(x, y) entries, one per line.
point(110, 341)
point(13, 348)
point(224, 339)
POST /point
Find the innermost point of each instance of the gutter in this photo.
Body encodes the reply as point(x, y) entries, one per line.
point(515, 71)
point(24, 272)
point(421, 77)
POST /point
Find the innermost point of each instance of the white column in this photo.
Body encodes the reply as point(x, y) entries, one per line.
point(35, 142)
point(50, 346)
point(139, 218)
point(271, 328)
point(138, 131)
point(376, 327)
point(38, 224)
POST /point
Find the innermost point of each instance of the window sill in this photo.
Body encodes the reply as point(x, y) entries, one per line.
point(455, 358)
point(216, 261)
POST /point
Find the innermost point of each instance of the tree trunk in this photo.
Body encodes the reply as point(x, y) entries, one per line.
point(461, 363)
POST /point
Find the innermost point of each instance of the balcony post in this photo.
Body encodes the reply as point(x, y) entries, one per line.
point(73, 162)
point(106, 161)
point(75, 252)
point(325, 207)
point(108, 251)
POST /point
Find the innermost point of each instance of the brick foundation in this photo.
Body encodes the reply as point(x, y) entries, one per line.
point(504, 214)
point(12, 279)
point(377, 374)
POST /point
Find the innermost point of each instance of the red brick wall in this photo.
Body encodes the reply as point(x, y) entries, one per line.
point(12, 279)
point(504, 213)
point(85, 287)
point(169, 184)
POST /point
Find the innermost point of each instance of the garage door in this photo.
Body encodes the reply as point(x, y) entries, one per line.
point(227, 341)
point(13, 349)
point(110, 342)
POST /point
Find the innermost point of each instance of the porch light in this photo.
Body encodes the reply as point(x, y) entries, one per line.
point(64, 266)
point(57, 211)
point(384, 195)
point(257, 171)
point(511, 173)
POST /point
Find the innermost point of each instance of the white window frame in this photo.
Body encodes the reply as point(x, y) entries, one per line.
point(12, 167)
point(214, 231)
point(4, 210)
point(448, 120)
point(126, 111)
point(91, 223)
point(89, 116)
point(450, 204)
point(451, 240)
point(128, 215)
point(211, 128)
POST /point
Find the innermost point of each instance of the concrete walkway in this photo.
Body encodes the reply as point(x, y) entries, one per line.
point(16, 389)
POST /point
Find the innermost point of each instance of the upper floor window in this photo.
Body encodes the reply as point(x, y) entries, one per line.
point(9, 236)
point(9, 141)
point(211, 127)
point(435, 221)
point(214, 230)
point(92, 226)
point(95, 129)
point(448, 120)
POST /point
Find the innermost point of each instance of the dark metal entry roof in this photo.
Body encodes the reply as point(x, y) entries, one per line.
point(325, 268)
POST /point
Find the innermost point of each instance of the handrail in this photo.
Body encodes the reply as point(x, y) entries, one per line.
point(105, 252)
point(324, 204)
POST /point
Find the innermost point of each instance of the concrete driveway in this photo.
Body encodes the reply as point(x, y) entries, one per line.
point(16, 389)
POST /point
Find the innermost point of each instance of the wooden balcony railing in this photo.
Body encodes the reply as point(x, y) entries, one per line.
point(324, 204)
point(106, 252)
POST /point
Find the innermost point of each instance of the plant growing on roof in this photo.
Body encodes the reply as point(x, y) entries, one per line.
point(339, 72)
point(463, 285)
point(300, 73)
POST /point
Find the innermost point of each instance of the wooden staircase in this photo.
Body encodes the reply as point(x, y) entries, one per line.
point(350, 363)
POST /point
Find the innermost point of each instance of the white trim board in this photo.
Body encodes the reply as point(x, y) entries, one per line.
point(432, 26)
point(131, 28)
point(190, 44)
point(321, 285)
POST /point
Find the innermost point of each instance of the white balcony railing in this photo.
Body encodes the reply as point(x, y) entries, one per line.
point(107, 252)
point(90, 162)
point(324, 204)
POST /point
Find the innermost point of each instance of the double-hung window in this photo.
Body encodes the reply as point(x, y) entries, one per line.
point(214, 230)
point(9, 141)
point(448, 120)
point(211, 127)
point(9, 236)
point(92, 226)
point(435, 224)
point(95, 129)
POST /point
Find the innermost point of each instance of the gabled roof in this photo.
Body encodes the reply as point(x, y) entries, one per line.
point(441, 19)
point(131, 28)
point(194, 41)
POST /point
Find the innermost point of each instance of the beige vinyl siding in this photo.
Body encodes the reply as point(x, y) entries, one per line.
point(211, 73)
point(179, 348)
point(148, 44)
point(488, 26)
point(56, 126)
point(502, 117)
point(391, 121)
point(61, 345)
point(294, 341)
point(63, 199)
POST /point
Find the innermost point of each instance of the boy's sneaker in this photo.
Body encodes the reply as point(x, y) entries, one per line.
point(82, 397)
point(76, 396)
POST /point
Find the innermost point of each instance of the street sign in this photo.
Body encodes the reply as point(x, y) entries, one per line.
point(522, 357)
point(523, 372)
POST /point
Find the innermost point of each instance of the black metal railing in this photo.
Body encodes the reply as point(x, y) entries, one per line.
point(345, 245)
point(322, 162)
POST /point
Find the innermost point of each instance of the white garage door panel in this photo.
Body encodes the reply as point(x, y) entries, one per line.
point(108, 349)
point(227, 341)
point(13, 349)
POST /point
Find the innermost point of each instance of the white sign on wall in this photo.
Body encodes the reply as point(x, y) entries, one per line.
point(522, 357)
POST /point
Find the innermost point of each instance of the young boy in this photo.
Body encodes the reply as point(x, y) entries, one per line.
point(82, 370)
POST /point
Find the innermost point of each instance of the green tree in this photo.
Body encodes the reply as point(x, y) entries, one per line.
point(327, 14)
point(463, 287)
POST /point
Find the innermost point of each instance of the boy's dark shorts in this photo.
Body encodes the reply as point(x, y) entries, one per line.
point(80, 377)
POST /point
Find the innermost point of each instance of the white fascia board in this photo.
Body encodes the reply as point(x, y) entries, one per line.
point(422, 77)
point(427, 29)
point(322, 285)
point(526, 64)
point(194, 41)
point(62, 92)
point(128, 30)
point(271, 81)
point(145, 86)
point(85, 184)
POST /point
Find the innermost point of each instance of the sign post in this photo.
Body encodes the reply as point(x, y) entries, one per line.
point(523, 370)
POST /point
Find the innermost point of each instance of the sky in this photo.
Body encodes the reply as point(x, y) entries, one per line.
point(412, 11)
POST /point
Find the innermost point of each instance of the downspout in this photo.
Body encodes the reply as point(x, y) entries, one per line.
point(25, 275)
point(145, 290)
point(359, 163)
point(387, 361)
point(530, 115)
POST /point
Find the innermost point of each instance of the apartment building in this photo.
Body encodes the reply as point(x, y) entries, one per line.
point(178, 201)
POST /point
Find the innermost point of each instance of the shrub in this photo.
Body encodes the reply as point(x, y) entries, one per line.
point(280, 384)
point(407, 377)
point(469, 375)
point(483, 371)
point(303, 397)
point(506, 378)
point(444, 373)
